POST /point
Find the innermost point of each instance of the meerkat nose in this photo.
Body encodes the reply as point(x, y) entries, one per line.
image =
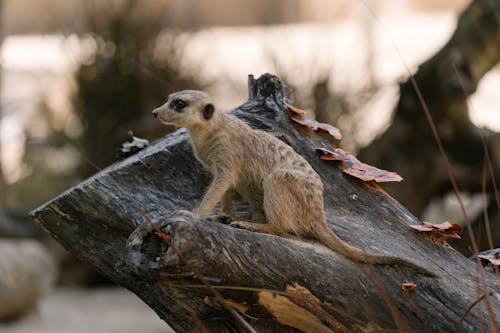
point(155, 113)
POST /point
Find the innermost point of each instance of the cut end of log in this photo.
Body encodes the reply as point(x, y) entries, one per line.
point(150, 248)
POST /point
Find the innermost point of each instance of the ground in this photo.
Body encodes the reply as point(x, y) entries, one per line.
point(106, 310)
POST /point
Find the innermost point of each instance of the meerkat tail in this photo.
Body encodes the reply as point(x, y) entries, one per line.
point(332, 241)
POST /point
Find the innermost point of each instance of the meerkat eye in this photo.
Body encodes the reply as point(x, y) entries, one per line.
point(178, 104)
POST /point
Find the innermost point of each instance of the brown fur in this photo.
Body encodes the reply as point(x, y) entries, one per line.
point(283, 190)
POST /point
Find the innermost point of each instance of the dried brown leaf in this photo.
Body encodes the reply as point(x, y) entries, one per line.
point(442, 226)
point(317, 126)
point(370, 173)
point(439, 231)
point(421, 227)
point(165, 236)
point(446, 226)
point(436, 237)
point(329, 129)
point(294, 109)
point(336, 154)
point(299, 117)
point(408, 286)
point(455, 228)
point(354, 167)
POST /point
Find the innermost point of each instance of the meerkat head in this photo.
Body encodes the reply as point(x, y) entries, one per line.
point(186, 108)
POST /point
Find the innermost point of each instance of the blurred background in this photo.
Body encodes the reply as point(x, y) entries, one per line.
point(77, 76)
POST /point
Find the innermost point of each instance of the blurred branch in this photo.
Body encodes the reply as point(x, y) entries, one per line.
point(2, 179)
point(128, 75)
point(408, 146)
point(342, 108)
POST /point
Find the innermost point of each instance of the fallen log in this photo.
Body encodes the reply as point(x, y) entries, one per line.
point(130, 222)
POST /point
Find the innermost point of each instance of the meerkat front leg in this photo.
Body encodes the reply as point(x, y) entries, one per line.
point(226, 207)
point(219, 186)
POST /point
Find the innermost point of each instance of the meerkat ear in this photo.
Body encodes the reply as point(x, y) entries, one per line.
point(208, 111)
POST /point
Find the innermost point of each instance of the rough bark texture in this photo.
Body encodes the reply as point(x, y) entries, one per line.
point(445, 80)
point(279, 285)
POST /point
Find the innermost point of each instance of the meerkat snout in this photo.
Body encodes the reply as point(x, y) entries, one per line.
point(155, 113)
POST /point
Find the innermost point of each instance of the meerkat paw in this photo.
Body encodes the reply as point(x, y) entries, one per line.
point(202, 213)
point(183, 212)
point(242, 225)
point(222, 218)
point(257, 227)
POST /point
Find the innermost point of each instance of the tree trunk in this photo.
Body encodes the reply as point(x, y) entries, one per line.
point(275, 284)
point(445, 80)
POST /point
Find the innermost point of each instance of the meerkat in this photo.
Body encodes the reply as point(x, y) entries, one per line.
point(284, 192)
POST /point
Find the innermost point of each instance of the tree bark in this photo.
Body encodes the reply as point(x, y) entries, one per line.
point(275, 284)
point(445, 80)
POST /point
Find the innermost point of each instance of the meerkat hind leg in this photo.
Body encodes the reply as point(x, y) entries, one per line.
point(291, 202)
point(285, 195)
